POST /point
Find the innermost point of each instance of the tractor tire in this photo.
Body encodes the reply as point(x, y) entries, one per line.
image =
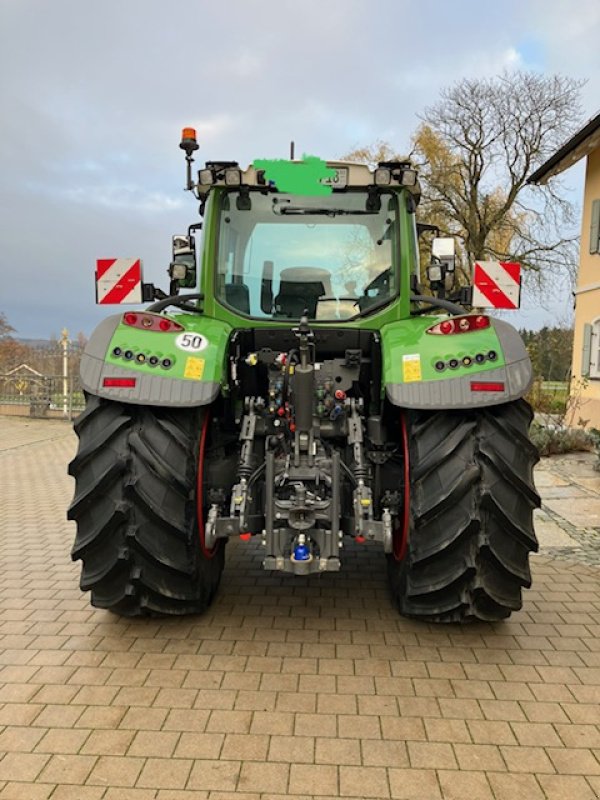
point(137, 492)
point(462, 550)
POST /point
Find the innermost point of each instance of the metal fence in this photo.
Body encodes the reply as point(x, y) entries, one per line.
point(41, 381)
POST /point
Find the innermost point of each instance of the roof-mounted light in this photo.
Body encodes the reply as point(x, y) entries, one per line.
point(383, 177)
point(188, 141)
point(206, 177)
point(408, 177)
point(233, 177)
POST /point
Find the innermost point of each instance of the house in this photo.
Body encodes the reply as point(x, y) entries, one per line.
point(586, 343)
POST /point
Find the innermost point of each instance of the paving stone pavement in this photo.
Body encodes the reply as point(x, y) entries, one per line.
point(288, 687)
point(568, 524)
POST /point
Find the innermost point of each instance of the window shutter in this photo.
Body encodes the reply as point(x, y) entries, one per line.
point(595, 228)
point(595, 350)
point(587, 350)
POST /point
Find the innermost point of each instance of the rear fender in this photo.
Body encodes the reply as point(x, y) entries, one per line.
point(162, 368)
point(412, 380)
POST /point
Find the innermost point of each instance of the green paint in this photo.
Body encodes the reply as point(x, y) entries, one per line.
point(162, 345)
point(302, 177)
point(408, 337)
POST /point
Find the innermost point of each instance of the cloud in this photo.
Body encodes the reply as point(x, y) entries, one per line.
point(94, 97)
point(132, 199)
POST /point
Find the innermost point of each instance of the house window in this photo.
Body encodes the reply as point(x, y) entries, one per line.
point(595, 350)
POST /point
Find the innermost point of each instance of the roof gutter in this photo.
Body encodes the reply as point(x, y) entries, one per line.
point(548, 169)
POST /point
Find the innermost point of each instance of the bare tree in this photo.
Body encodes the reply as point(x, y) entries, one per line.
point(5, 327)
point(12, 352)
point(373, 154)
point(476, 148)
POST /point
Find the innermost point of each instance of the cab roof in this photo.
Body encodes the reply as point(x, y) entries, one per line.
point(340, 175)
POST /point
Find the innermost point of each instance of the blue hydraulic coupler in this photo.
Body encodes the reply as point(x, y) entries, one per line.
point(301, 552)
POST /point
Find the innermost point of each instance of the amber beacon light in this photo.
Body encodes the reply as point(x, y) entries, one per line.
point(188, 140)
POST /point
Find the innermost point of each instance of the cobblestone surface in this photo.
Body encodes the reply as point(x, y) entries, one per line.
point(568, 524)
point(299, 688)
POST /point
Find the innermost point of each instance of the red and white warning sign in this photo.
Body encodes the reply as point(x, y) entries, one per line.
point(118, 280)
point(497, 284)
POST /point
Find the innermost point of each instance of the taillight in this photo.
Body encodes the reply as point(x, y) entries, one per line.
point(151, 322)
point(461, 324)
point(119, 383)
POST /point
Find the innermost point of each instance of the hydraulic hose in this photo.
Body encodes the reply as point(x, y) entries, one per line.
point(437, 302)
point(179, 300)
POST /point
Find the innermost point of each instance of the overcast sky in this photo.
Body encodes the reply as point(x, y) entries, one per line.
point(94, 95)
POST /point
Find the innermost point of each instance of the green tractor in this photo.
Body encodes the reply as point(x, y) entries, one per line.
point(307, 394)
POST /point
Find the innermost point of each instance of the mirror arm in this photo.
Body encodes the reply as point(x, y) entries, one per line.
point(150, 293)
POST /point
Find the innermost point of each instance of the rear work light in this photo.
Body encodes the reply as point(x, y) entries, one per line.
point(119, 383)
point(487, 386)
point(151, 322)
point(461, 324)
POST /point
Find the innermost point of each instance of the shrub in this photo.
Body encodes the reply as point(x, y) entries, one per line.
point(548, 398)
point(553, 439)
point(595, 435)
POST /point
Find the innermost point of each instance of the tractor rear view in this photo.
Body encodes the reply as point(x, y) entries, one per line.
point(306, 394)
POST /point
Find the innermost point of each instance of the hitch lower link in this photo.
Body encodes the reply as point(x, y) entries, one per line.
point(302, 500)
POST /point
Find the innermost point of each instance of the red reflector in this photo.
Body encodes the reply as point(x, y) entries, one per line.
point(119, 383)
point(245, 537)
point(359, 539)
point(486, 386)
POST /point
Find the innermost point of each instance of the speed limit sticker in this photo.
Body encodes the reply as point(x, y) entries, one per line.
point(192, 342)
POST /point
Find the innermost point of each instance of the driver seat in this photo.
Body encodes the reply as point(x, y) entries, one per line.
point(301, 288)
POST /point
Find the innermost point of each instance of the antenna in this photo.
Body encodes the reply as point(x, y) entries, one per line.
point(291, 151)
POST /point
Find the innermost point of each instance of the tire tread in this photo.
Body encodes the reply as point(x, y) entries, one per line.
point(135, 509)
point(472, 502)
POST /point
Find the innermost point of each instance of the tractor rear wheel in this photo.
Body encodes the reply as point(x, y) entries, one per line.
point(138, 507)
point(463, 551)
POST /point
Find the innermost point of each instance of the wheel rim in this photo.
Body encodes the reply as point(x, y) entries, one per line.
point(207, 552)
point(400, 534)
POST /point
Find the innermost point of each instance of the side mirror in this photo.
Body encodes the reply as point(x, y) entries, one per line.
point(182, 270)
point(440, 272)
point(443, 248)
